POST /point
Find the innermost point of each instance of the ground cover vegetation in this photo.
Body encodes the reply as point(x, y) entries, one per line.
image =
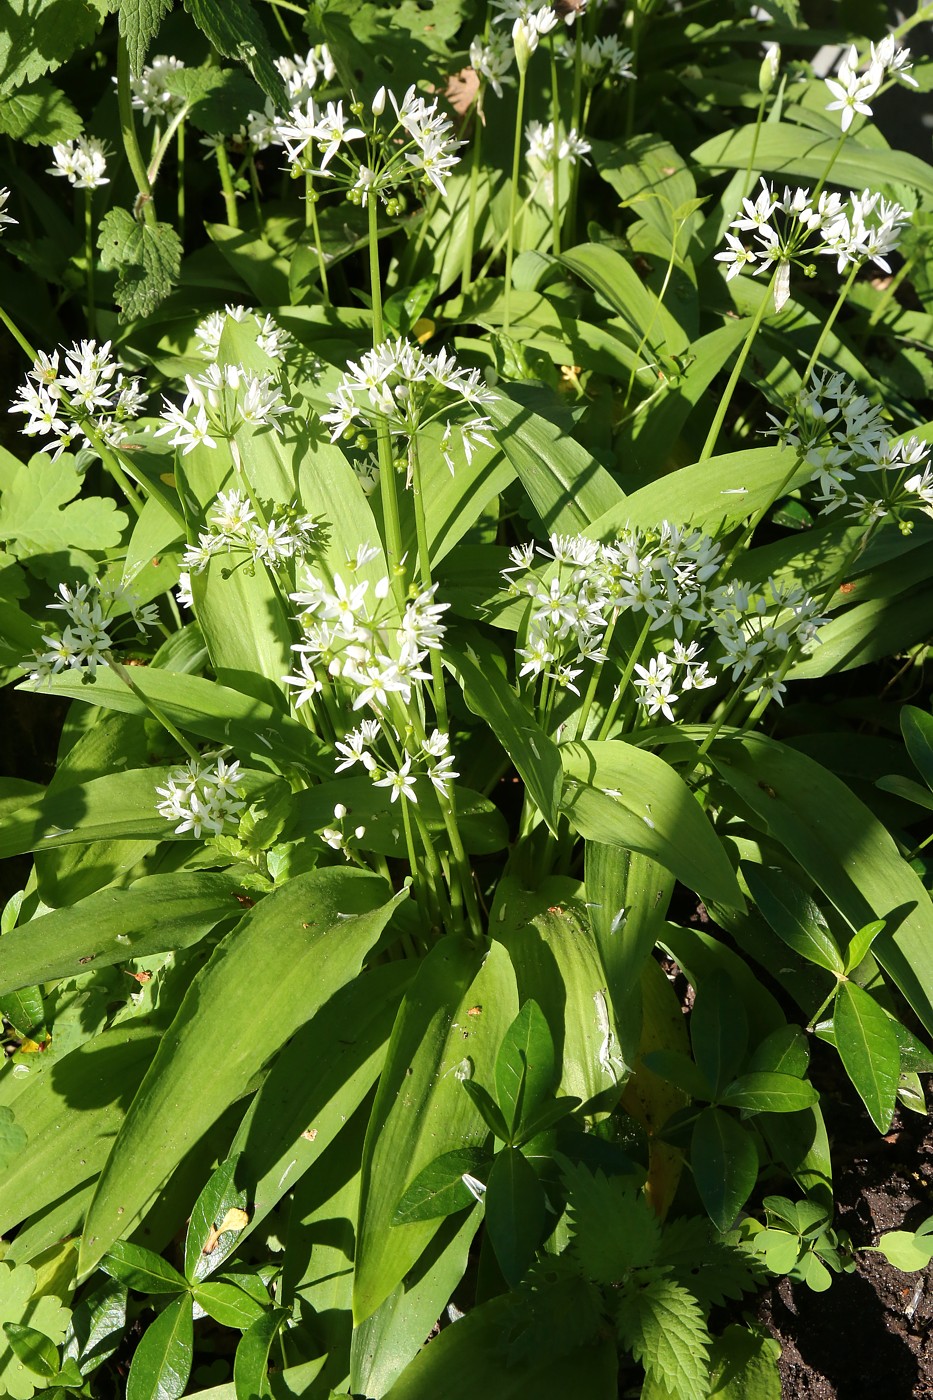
point(466, 549)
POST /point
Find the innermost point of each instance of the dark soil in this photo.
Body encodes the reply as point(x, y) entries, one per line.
point(871, 1333)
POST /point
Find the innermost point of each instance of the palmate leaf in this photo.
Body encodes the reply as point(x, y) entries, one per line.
point(40, 520)
point(145, 257)
point(663, 1327)
point(614, 1228)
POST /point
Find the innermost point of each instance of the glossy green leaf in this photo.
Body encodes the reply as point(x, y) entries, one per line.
point(793, 916)
point(161, 1362)
point(23, 1009)
point(34, 1349)
point(784, 1051)
point(766, 1091)
point(917, 729)
point(489, 695)
point(620, 795)
point(725, 1165)
point(157, 913)
point(516, 1213)
point(680, 1070)
point(421, 1109)
point(861, 942)
point(250, 1365)
point(843, 848)
point(142, 1270)
point(487, 1108)
point(227, 1304)
point(525, 1066)
point(264, 980)
point(439, 1189)
point(869, 1051)
point(204, 1250)
point(909, 1251)
point(566, 485)
point(718, 1030)
point(613, 276)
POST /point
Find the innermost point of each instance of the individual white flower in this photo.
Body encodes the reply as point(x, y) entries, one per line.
point(737, 256)
point(491, 58)
point(891, 57)
point(400, 781)
point(332, 131)
point(5, 218)
point(82, 162)
point(851, 91)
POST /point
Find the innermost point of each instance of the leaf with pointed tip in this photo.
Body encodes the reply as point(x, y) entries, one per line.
point(141, 1269)
point(793, 915)
point(868, 1048)
point(725, 1165)
point(439, 1189)
point(525, 1066)
point(516, 1213)
point(250, 1365)
point(161, 1362)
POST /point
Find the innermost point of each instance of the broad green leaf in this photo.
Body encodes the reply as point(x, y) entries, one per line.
point(146, 258)
point(39, 35)
point(157, 913)
point(621, 795)
point(34, 1349)
point(516, 1213)
point(868, 632)
point(614, 278)
point(207, 1243)
point(250, 1365)
point(613, 1226)
point(140, 21)
point(664, 1328)
point(869, 1051)
point(781, 148)
point(454, 501)
point(525, 1066)
point(784, 1051)
point(97, 1325)
point(725, 1165)
point(247, 631)
point(161, 1362)
point(449, 1028)
point(265, 980)
point(23, 1009)
point(567, 487)
point(627, 908)
point(917, 729)
point(439, 1188)
point(909, 1251)
point(743, 1366)
point(489, 695)
point(843, 848)
point(209, 711)
point(39, 115)
point(793, 915)
point(765, 1091)
point(860, 943)
point(142, 1270)
point(680, 1070)
point(96, 1083)
point(703, 955)
point(236, 31)
point(40, 520)
point(718, 1030)
point(227, 1304)
point(12, 1137)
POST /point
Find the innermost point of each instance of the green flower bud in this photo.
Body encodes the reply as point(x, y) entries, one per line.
point(771, 63)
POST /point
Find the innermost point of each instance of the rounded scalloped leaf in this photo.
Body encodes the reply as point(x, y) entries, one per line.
point(46, 1315)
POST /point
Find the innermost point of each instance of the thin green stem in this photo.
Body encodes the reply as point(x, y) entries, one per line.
point(144, 202)
point(578, 122)
point(18, 336)
point(513, 201)
point(121, 672)
point(830, 321)
point(180, 152)
point(746, 182)
point(387, 483)
point(312, 223)
point(475, 156)
point(89, 260)
point(226, 185)
point(625, 678)
point(826, 173)
point(891, 290)
point(555, 154)
point(583, 713)
point(713, 435)
point(503, 238)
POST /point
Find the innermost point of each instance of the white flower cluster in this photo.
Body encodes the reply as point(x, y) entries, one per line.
point(759, 627)
point(852, 91)
point(491, 57)
point(531, 20)
point(337, 836)
point(270, 337)
point(789, 228)
point(663, 576)
point(377, 746)
point(541, 142)
point(300, 75)
point(89, 635)
point(398, 384)
point(151, 95)
point(219, 402)
point(83, 162)
point(5, 218)
point(604, 58)
point(201, 796)
point(233, 525)
point(350, 635)
point(89, 388)
point(417, 146)
point(838, 432)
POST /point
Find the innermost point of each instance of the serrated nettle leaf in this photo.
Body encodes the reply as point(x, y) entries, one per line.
point(37, 37)
point(441, 1188)
point(867, 1045)
point(140, 21)
point(38, 114)
point(236, 31)
point(664, 1328)
point(146, 258)
point(794, 916)
point(142, 1270)
point(525, 1066)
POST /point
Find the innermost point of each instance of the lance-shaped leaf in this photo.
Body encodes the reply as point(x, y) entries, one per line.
point(867, 1045)
point(525, 1066)
point(440, 1188)
point(793, 915)
point(725, 1165)
point(265, 979)
point(161, 1362)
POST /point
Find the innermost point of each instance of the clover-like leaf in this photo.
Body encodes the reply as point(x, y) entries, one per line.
point(18, 1305)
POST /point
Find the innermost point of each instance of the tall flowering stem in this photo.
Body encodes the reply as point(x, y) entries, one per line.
point(226, 184)
point(387, 484)
point(134, 155)
point(513, 197)
point(89, 261)
point(311, 221)
point(712, 436)
point(555, 153)
point(466, 277)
